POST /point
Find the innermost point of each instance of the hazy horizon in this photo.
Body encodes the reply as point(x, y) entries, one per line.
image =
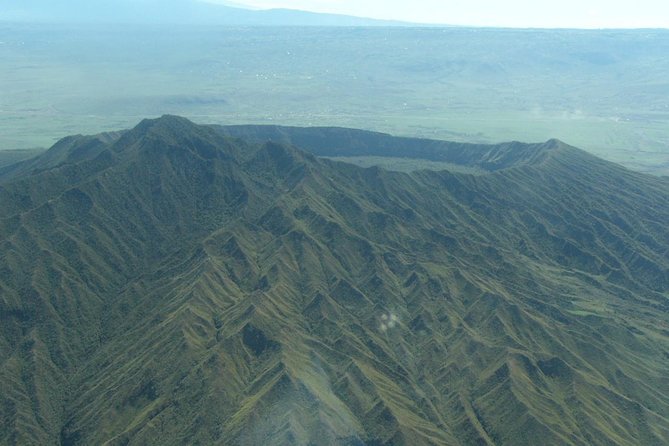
point(567, 14)
point(591, 14)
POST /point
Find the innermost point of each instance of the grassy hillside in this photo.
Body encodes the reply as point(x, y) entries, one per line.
point(173, 285)
point(8, 157)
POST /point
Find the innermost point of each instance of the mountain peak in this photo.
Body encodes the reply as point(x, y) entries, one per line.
point(165, 123)
point(170, 133)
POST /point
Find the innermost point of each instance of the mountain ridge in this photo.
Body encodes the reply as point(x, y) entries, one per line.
point(195, 287)
point(191, 12)
point(338, 141)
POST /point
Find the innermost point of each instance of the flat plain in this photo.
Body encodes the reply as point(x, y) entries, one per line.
point(604, 91)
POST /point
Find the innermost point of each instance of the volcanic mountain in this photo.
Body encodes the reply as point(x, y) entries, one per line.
point(185, 284)
point(172, 12)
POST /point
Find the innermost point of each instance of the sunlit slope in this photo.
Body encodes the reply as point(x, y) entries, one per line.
point(175, 286)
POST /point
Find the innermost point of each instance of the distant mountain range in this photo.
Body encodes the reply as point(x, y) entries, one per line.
point(170, 11)
point(182, 284)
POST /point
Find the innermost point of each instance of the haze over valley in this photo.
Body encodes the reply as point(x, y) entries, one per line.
point(603, 91)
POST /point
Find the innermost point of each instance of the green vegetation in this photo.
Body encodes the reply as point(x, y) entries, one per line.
point(184, 284)
point(8, 157)
point(604, 91)
point(404, 164)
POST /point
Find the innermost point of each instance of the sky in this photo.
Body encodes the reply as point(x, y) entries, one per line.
point(506, 13)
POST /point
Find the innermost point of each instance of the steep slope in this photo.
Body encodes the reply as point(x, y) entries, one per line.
point(68, 150)
point(177, 286)
point(9, 157)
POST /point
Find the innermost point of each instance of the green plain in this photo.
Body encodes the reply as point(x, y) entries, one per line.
point(603, 91)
